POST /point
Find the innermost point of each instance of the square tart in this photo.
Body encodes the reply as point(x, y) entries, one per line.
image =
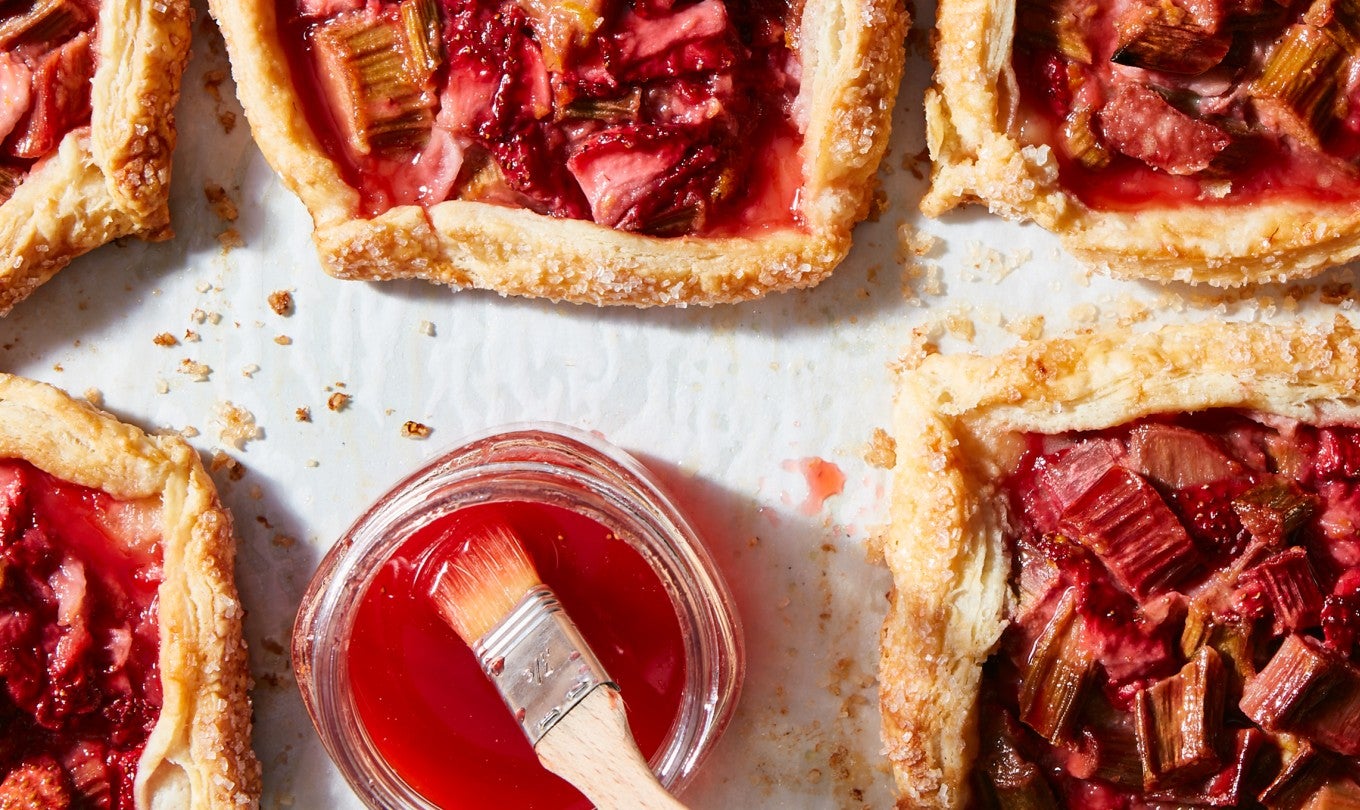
point(1145, 155)
point(849, 59)
point(116, 592)
point(102, 176)
point(973, 605)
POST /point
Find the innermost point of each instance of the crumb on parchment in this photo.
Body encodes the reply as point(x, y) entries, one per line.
point(165, 339)
point(219, 202)
point(236, 425)
point(283, 340)
point(882, 450)
point(415, 430)
point(338, 401)
point(303, 414)
point(281, 301)
point(95, 397)
point(198, 372)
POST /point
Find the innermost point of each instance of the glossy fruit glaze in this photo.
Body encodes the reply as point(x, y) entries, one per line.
point(80, 687)
point(1198, 551)
point(1263, 162)
point(673, 118)
point(433, 714)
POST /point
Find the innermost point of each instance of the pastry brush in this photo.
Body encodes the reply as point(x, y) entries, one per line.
point(485, 587)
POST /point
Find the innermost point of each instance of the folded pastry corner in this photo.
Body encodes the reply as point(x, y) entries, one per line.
point(88, 129)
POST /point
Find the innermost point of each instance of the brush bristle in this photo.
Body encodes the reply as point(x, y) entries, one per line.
point(478, 577)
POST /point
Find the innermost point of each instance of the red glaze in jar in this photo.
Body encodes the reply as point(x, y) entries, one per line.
point(437, 719)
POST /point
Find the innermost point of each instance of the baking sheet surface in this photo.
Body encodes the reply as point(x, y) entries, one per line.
point(731, 407)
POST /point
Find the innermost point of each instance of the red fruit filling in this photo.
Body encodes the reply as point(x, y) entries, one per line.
point(46, 63)
point(654, 116)
point(1187, 618)
point(1212, 101)
point(79, 684)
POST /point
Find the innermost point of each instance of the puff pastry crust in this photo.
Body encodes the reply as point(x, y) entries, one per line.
point(976, 158)
point(851, 53)
point(111, 178)
point(958, 422)
point(198, 754)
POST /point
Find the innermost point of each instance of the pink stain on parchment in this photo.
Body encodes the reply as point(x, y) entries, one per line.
point(824, 479)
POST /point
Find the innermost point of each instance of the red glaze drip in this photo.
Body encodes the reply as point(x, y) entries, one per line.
point(436, 718)
point(80, 687)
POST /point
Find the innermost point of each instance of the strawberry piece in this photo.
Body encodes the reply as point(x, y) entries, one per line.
point(1208, 515)
point(1338, 453)
point(1128, 525)
point(35, 783)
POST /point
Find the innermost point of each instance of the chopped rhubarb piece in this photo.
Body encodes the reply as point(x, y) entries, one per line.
point(1139, 123)
point(1231, 637)
point(1115, 743)
point(1014, 781)
point(626, 106)
point(1273, 509)
point(1309, 691)
point(1080, 141)
point(1179, 720)
point(1178, 457)
point(1169, 38)
point(561, 25)
point(693, 39)
point(1058, 481)
point(46, 21)
point(1340, 19)
point(1225, 787)
point(1128, 525)
point(377, 82)
point(61, 99)
point(1298, 83)
point(35, 783)
point(1303, 771)
point(424, 32)
point(1059, 669)
point(1056, 25)
point(1283, 587)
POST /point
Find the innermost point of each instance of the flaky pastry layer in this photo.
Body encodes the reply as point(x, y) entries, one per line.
point(198, 756)
point(958, 424)
point(977, 159)
point(112, 178)
point(852, 55)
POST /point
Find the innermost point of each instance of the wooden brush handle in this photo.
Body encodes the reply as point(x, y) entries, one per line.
point(592, 748)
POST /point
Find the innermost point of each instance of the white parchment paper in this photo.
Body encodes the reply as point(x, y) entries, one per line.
point(723, 404)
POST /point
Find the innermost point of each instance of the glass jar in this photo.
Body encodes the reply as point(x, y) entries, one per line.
point(540, 464)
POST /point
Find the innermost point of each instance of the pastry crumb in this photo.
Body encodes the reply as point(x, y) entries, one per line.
point(283, 340)
point(230, 239)
point(426, 328)
point(95, 397)
point(203, 287)
point(284, 541)
point(1084, 313)
point(165, 339)
point(338, 401)
point(223, 461)
point(311, 462)
point(236, 425)
point(58, 367)
point(415, 430)
point(162, 387)
point(198, 315)
point(189, 432)
point(198, 372)
point(281, 301)
point(249, 370)
point(882, 450)
point(303, 414)
point(190, 336)
point(219, 203)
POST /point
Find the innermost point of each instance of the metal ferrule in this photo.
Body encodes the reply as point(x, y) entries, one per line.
point(539, 662)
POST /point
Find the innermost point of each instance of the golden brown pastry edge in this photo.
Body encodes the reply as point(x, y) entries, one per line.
point(944, 546)
point(851, 77)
